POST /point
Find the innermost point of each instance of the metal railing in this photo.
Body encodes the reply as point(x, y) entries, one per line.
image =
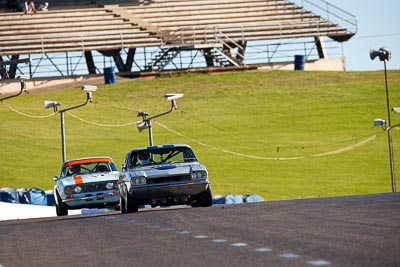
point(256, 53)
point(330, 12)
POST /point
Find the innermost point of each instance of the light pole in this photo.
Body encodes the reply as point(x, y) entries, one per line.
point(146, 122)
point(52, 104)
point(384, 55)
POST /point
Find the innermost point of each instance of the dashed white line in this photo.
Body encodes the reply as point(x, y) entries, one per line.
point(239, 244)
point(319, 262)
point(289, 256)
point(263, 249)
point(219, 240)
point(200, 236)
point(183, 233)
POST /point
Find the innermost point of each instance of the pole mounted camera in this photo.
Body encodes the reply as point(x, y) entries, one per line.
point(53, 104)
point(145, 123)
point(173, 98)
point(89, 90)
point(22, 79)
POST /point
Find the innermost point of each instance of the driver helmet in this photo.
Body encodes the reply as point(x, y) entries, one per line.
point(144, 157)
point(75, 169)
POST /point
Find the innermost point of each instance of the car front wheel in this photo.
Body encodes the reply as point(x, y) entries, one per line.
point(122, 204)
point(131, 204)
point(203, 200)
point(61, 208)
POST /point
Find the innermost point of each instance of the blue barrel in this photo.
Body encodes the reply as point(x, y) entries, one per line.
point(299, 61)
point(109, 75)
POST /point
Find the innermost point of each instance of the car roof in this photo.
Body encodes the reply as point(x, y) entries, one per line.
point(87, 160)
point(159, 146)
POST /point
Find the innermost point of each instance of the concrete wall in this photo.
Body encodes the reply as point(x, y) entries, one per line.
point(333, 64)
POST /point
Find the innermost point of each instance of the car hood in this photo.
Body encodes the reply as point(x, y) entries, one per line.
point(89, 178)
point(166, 169)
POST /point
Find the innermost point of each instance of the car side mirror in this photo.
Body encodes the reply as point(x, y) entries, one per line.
point(123, 167)
point(55, 178)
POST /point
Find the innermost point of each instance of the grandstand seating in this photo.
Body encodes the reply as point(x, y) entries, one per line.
point(69, 30)
point(153, 23)
point(199, 20)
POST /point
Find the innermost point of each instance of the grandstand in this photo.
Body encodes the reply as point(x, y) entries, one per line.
point(211, 34)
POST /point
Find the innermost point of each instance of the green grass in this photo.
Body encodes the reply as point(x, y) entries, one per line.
point(257, 132)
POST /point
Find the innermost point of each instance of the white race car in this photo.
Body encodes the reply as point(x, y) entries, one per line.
point(163, 175)
point(86, 183)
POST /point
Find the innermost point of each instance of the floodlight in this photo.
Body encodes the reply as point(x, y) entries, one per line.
point(383, 53)
point(170, 97)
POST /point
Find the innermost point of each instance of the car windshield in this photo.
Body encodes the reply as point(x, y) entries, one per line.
point(163, 155)
point(87, 168)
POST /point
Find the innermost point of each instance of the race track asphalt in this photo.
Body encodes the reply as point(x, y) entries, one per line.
point(340, 231)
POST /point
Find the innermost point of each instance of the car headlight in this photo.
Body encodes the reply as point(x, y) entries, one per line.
point(78, 189)
point(69, 190)
point(110, 185)
point(198, 175)
point(138, 181)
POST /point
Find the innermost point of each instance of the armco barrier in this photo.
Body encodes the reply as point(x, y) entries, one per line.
point(37, 196)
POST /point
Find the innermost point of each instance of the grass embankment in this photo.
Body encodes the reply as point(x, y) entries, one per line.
point(281, 135)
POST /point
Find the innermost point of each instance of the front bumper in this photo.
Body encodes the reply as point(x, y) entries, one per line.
point(92, 199)
point(149, 192)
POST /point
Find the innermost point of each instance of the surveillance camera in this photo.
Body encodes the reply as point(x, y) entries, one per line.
point(23, 77)
point(379, 122)
point(170, 97)
point(89, 88)
point(51, 104)
point(142, 113)
point(141, 125)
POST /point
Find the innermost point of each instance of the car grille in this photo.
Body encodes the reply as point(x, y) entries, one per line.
point(94, 187)
point(169, 179)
